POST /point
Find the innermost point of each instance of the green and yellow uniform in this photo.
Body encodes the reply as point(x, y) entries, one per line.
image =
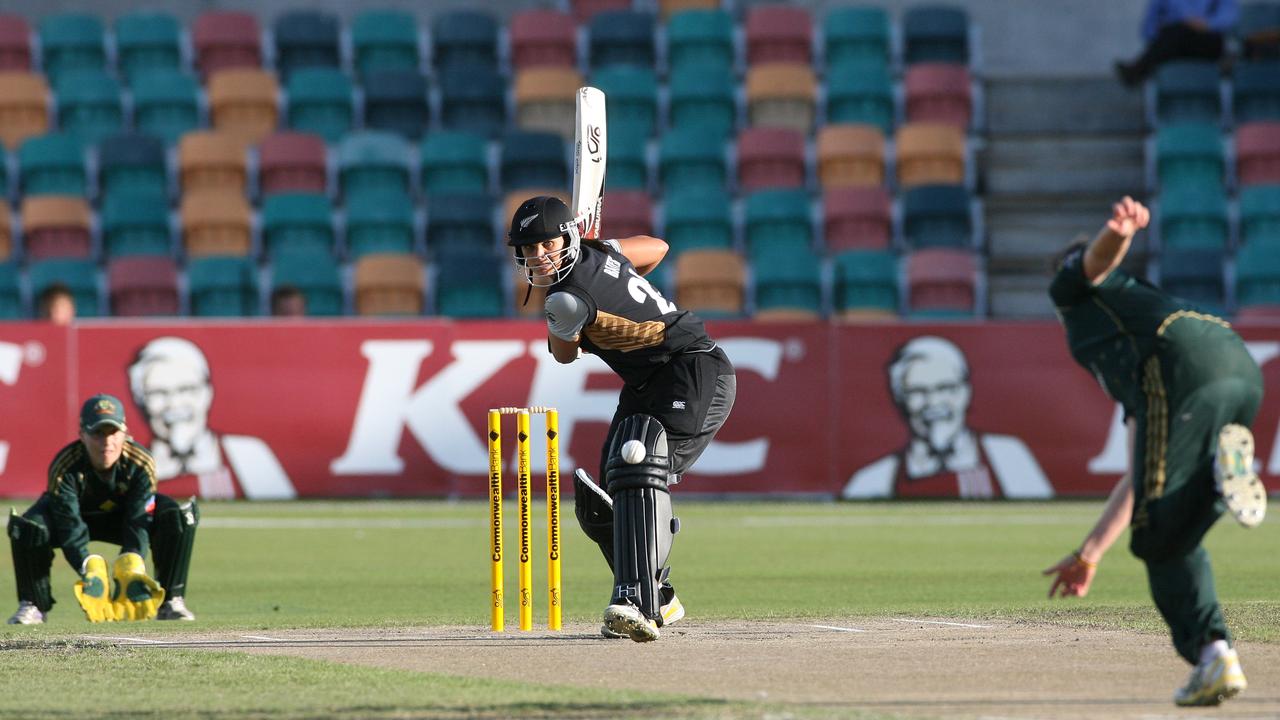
point(1181, 375)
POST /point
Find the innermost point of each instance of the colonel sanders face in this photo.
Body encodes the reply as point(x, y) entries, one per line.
point(171, 385)
point(935, 398)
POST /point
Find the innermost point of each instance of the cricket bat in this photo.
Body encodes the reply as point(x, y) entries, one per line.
point(589, 151)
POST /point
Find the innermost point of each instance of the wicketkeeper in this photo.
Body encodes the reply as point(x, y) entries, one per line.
point(103, 487)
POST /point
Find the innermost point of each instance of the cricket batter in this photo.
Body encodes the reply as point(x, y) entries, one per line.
point(103, 487)
point(1189, 390)
point(678, 390)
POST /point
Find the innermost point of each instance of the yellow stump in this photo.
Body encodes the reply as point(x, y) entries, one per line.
point(526, 541)
point(553, 520)
point(495, 520)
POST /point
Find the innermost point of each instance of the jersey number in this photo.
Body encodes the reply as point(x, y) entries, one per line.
point(639, 288)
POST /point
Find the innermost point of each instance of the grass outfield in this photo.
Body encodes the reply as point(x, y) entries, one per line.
point(269, 566)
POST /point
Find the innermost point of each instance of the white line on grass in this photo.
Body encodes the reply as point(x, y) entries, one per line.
point(939, 622)
point(840, 629)
point(126, 639)
point(263, 637)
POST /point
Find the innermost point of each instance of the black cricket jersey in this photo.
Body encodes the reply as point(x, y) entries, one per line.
point(630, 325)
point(77, 493)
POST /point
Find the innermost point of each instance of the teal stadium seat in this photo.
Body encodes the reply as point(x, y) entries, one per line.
point(89, 104)
point(379, 222)
point(1188, 91)
point(166, 103)
point(297, 223)
point(134, 163)
point(1258, 30)
point(372, 161)
point(1194, 274)
point(1257, 275)
point(699, 39)
point(533, 160)
point(465, 38)
point(1255, 91)
point(306, 39)
point(628, 159)
point(935, 33)
point(865, 281)
point(854, 34)
point(622, 37)
point(460, 223)
point(79, 275)
point(691, 157)
point(52, 164)
point(136, 223)
point(473, 99)
point(145, 41)
point(1260, 215)
point(1189, 154)
point(631, 99)
point(777, 218)
point(698, 218)
point(317, 276)
point(454, 162)
point(396, 101)
point(1193, 217)
point(703, 96)
point(937, 216)
point(10, 292)
point(471, 287)
point(72, 41)
point(221, 286)
point(384, 40)
point(321, 102)
point(860, 91)
point(787, 279)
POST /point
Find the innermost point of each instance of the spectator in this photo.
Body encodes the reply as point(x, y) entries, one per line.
point(288, 301)
point(1176, 29)
point(57, 305)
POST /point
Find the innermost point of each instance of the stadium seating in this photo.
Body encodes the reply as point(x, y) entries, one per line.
point(1260, 215)
point(316, 276)
point(1258, 30)
point(216, 222)
point(690, 158)
point(1193, 217)
point(1258, 275)
point(80, 276)
point(852, 34)
point(865, 285)
point(545, 99)
point(211, 161)
point(622, 37)
point(935, 34)
point(770, 157)
point(454, 161)
point(781, 95)
point(143, 286)
point(292, 162)
point(1258, 153)
point(396, 101)
point(779, 33)
point(52, 164)
point(135, 222)
point(787, 283)
point(703, 96)
point(384, 40)
point(940, 283)
point(134, 163)
point(628, 159)
point(71, 41)
point(147, 41)
point(938, 93)
point(626, 213)
point(631, 99)
point(700, 38)
point(711, 282)
point(671, 8)
point(389, 284)
point(850, 156)
point(531, 159)
point(465, 38)
point(460, 223)
point(584, 10)
point(1188, 91)
point(6, 232)
point(306, 39)
point(860, 91)
point(473, 99)
point(697, 218)
point(23, 111)
point(15, 43)
point(1194, 274)
point(226, 39)
point(374, 161)
point(10, 292)
point(221, 286)
point(930, 154)
point(56, 226)
point(166, 103)
point(321, 101)
point(89, 104)
point(1255, 91)
point(471, 287)
point(243, 103)
point(543, 37)
point(297, 222)
point(778, 218)
point(1189, 154)
point(857, 218)
point(379, 222)
point(937, 216)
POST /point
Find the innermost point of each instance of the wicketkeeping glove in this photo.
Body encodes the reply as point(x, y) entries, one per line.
point(136, 596)
point(91, 591)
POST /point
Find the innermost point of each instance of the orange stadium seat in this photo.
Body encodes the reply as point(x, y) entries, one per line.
point(545, 98)
point(850, 155)
point(1258, 153)
point(930, 153)
point(626, 213)
point(542, 37)
point(243, 102)
point(941, 280)
point(226, 39)
point(216, 222)
point(142, 286)
point(781, 94)
point(292, 162)
point(779, 33)
point(770, 157)
point(856, 218)
point(212, 161)
point(711, 282)
point(6, 232)
point(389, 284)
point(56, 226)
point(15, 43)
point(938, 93)
point(24, 106)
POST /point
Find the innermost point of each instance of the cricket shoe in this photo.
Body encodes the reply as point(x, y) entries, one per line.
point(27, 614)
point(1212, 681)
point(672, 610)
point(174, 609)
point(1243, 492)
point(627, 620)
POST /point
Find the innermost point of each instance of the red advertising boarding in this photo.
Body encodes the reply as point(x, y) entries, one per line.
point(351, 408)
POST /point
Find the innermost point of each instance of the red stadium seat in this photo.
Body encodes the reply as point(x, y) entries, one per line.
point(543, 37)
point(857, 218)
point(626, 213)
point(56, 226)
point(770, 157)
point(939, 93)
point(226, 39)
point(941, 279)
point(779, 33)
point(15, 43)
point(1259, 314)
point(292, 162)
point(143, 285)
point(1258, 153)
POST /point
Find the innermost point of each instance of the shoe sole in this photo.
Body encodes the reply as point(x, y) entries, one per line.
point(1216, 698)
point(1242, 490)
point(628, 625)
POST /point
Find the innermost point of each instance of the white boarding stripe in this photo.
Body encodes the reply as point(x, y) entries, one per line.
point(840, 629)
point(262, 637)
point(940, 622)
point(127, 639)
